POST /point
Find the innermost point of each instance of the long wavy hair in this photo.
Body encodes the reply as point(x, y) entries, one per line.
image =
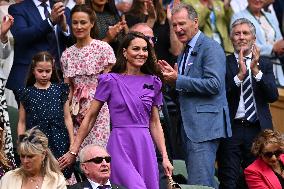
point(40, 57)
point(149, 67)
point(33, 142)
point(92, 16)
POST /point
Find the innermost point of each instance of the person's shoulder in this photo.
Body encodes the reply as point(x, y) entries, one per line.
point(69, 49)
point(10, 174)
point(107, 77)
point(21, 5)
point(79, 185)
point(256, 165)
point(100, 44)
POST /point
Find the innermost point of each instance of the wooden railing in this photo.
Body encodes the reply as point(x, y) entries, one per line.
point(277, 111)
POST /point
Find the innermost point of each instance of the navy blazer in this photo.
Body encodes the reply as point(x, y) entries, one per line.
point(87, 185)
point(265, 91)
point(202, 94)
point(31, 34)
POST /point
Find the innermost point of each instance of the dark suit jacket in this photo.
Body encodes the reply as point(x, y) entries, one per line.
point(32, 35)
point(87, 184)
point(265, 91)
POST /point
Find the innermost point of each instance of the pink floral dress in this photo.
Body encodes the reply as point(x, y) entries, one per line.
point(82, 66)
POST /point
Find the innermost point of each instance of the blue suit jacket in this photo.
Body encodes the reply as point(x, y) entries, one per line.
point(265, 48)
point(31, 36)
point(265, 91)
point(202, 94)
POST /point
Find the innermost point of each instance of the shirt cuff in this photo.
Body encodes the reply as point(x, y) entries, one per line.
point(67, 33)
point(237, 81)
point(258, 76)
point(50, 23)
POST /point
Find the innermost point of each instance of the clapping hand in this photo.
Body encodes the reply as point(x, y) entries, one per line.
point(169, 73)
point(6, 24)
point(57, 13)
point(255, 58)
point(242, 66)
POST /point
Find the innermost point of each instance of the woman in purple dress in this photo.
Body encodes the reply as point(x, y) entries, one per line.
point(133, 93)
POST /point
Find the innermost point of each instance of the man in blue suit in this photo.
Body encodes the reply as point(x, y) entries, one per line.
point(199, 78)
point(39, 26)
point(250, 86)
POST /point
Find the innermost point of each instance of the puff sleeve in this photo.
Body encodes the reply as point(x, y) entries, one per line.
point(103, 90)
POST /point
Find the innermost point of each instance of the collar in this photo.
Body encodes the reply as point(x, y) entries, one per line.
point(95, 185)
point(249, 56)
point(37, 3)
point(193, 41)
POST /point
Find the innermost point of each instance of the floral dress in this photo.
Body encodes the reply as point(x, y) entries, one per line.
point(82, 66)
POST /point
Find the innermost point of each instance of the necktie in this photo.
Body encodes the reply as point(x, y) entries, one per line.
point(46, 13)
point(250, 111)
point(104, 187)
point(185, 55)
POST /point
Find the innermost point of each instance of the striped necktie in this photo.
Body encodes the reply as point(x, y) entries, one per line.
point(46, 13)
point(250, 111)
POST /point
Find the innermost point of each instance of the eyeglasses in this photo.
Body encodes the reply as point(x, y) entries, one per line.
point(269, 155)
point(98, 160)
point(153, 39)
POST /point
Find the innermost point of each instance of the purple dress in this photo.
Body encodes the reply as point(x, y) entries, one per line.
point(130, 99)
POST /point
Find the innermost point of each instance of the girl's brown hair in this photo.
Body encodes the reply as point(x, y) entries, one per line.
point(43, 56)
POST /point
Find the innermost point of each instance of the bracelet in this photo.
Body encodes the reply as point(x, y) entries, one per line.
point(73, 153)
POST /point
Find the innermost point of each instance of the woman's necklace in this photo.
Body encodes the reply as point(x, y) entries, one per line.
point(35, 181)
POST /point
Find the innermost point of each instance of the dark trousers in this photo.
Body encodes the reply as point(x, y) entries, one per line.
point(234, 154)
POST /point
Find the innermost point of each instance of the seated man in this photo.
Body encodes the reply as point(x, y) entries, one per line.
point(95, 163)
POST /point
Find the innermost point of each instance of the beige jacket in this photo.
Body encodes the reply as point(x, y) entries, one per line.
point(13, 181)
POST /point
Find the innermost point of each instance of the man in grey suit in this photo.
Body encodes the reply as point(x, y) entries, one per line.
point(199, 77)
point(95, 163)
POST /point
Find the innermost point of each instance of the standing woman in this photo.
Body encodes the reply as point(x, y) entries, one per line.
point(133, 93)
point(82, 63)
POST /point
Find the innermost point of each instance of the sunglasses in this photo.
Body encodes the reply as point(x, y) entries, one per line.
point(269, 155)
point(153, 39)
point(98, 160)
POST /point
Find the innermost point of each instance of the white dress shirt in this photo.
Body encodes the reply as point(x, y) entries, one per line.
point(241, 108)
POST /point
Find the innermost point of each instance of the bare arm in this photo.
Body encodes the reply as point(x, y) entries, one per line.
point(68, 122)
point(84, 129)
point(22, 120)
point(158, 137)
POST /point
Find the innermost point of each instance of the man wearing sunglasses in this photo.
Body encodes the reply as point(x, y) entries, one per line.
point(95, 163)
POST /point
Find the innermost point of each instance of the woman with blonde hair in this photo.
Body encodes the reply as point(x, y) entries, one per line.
point(39, 168)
